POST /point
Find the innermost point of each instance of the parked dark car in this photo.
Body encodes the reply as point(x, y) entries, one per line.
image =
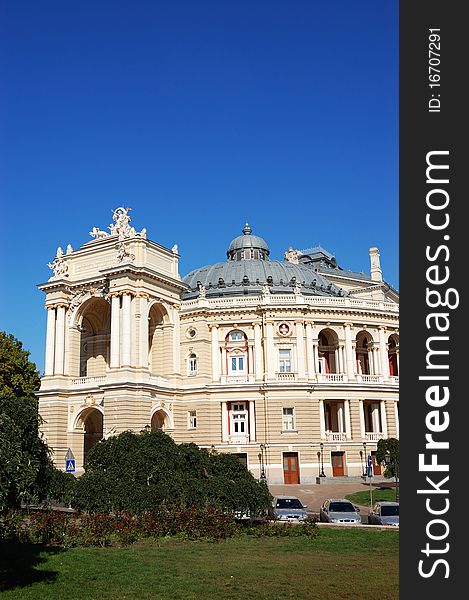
point(339, 510)
point(384, 513)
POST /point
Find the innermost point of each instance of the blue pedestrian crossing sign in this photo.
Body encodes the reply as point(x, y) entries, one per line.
point(69, 462)
point(370, 466)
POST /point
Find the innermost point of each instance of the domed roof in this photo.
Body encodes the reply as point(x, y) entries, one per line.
point(247, 240)
point(233, 278)
point(248, 271)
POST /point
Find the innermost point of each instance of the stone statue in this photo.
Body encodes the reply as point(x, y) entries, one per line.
point(265, 289)
point(121, 225)
point(202, 292)
point(174, 249)
point(58, 266)
point(98, 233)
point(292, 255)
point(69, 249)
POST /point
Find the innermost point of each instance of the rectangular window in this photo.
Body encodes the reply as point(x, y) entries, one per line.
point(237, 363)
point(192, 419)
point(285, 360)
point(239, 423)
point(288, 419)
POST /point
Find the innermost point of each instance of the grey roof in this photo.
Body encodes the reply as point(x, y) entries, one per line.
point(231, 278)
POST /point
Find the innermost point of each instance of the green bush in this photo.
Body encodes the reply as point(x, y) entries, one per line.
point(150, 472)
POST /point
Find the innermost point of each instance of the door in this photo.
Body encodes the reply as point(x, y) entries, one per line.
point(337, 460)
point(291, 473)
point(376, 466)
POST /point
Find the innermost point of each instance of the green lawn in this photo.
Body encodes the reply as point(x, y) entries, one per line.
point(338, 565)
point(383, 494)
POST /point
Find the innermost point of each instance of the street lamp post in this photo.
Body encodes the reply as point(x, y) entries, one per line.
point(261, 463)
point(319, 463)
point(361, 460)
point(322, 474)
point(366, 458)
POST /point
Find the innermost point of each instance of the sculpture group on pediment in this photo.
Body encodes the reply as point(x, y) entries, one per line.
point(121, 226)
point(58, 266)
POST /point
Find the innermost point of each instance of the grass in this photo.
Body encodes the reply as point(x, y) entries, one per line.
point(340, 564)
point(382, 494)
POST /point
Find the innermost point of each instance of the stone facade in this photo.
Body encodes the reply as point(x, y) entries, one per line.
point(295, 377)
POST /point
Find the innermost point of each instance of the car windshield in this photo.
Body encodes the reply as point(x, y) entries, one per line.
point(288, 503)
point(342, 507)
point(389, 511)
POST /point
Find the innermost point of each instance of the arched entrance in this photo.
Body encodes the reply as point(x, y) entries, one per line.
point(160, 342)
point(158, 420)
point(92, 421)
point(95, 333)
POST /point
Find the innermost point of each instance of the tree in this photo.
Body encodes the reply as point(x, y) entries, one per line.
point(25, 464)
point(19, 376)
point(388, 453)
point(149, 471)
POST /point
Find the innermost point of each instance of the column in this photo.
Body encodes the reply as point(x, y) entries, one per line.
point(375, 413)
point(224, 421)
point(310, 351)
point(115, 331)
point(340, 418)
point(59, 341)
point(216, 357)
point(250, 357)
point(322, 422)
point(126, 329)
point(176, 342)
point(384, 421)
point(252, 421)
point(143, 354)
point(348, 428)
point(340, 356)
point(316, 355)
point(383, 353)
point(349, 353)
point(397, 358)
point(50, 341)
point(271, 360)
point(258, 352)
point(361, 414)
point(300, 350)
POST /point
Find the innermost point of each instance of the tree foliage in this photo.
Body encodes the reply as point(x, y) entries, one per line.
point(149, 471)
point(18, 375)
point(25, 465)
point(388, 450)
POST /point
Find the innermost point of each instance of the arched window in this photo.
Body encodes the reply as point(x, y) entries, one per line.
point(192, 365)
point(236, 336)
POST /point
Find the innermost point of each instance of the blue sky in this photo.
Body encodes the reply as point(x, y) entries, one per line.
point(199, 115)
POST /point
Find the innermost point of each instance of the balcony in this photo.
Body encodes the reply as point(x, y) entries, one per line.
point(238, 439)
point(369, 378)
point(83, 382)
point(237, 379)
point(336, 436)
point(332, 378)
point(373, 436)
point(286, 376)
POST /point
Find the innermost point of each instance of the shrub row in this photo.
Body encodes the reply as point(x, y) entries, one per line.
point(56, 528)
